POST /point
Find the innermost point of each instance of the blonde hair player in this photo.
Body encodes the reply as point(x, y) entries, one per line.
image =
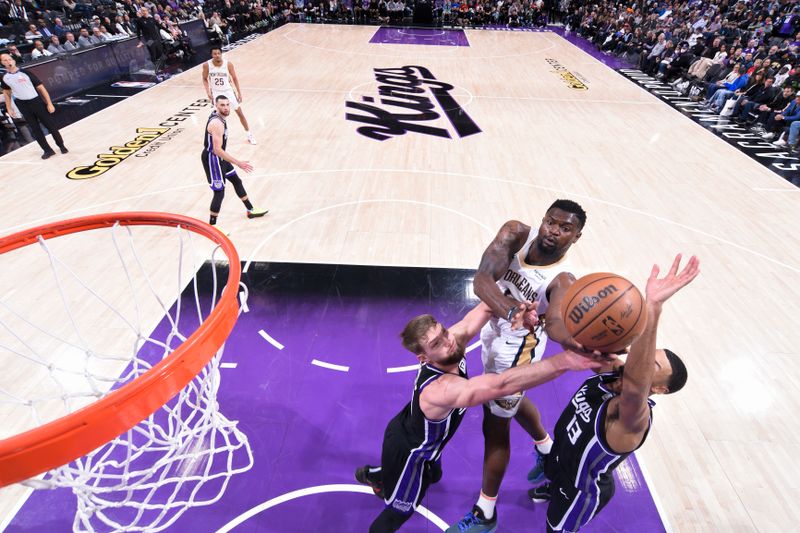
point(219, 78)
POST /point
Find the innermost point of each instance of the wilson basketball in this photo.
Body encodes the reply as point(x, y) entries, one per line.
point(604, 312)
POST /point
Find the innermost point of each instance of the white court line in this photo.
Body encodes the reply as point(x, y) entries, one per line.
point(228, 365)
point(659, 506)
point(270, 340)
point(320, 489)
point(352, 92)
point(331, 366)
point(775, 189)
point(396, 369)
point(410, 368)
point(472, 346)
point(14, 510)
point(109, 95)
point(376, 173)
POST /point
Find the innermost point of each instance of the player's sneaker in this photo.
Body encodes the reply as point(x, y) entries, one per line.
point(536, 474)
point(540, 494)
point(362, 476)
point(250, 138)
point(474, 522)
point(256, 212)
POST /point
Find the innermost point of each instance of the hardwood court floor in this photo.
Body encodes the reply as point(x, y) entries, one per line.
point(720, 457)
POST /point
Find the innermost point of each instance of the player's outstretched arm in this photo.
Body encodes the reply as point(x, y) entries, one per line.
point(640, 364)
point(494, 263)
point(450, 391)
point(471, 324)
point(216, 129)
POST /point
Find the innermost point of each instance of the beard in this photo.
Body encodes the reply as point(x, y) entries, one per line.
point(455, 358)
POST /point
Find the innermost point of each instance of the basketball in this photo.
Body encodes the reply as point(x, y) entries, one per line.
point(604, 312)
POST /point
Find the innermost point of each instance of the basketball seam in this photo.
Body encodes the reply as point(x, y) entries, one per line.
point(633, 327)
point(604, 310)
point(610, 276)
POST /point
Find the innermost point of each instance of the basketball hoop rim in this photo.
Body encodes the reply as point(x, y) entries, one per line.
point(72, 436)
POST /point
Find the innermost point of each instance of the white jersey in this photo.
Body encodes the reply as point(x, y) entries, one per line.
point(525, 282)
point(219, 78)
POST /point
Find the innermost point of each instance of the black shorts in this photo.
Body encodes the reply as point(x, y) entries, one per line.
point(406, 475)
point(570, 509)
point(217, 170)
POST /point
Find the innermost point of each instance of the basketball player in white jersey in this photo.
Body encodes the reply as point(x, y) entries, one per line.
point(521, 264)
point(219, 78)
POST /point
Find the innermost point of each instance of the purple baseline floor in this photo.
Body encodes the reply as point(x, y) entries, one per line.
point(312, 426)
point(424, 36)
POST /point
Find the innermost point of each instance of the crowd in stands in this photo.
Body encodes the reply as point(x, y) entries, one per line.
point(738, 59)
point(31, 29)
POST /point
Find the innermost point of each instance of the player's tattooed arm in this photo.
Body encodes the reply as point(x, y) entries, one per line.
point(493, 266)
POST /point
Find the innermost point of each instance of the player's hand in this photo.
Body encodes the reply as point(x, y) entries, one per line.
point(245, 165)
point(572, 345)
point(576, 361)
point(51, 108)
point(659, 290)
point(530, 318)
point(517, 321)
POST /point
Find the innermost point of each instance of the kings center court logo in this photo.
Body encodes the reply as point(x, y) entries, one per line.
point(410, 99)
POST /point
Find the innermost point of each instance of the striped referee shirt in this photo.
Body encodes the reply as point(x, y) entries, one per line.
point(21, 84)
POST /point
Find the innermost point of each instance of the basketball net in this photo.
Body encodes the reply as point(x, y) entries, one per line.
point(180, 455)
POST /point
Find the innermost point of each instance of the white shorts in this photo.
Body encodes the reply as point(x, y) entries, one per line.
point(500, 352)
point(228, 94)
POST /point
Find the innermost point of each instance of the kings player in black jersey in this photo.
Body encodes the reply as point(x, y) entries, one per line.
point(414, 439)
point(218, 163)
point(610, 415)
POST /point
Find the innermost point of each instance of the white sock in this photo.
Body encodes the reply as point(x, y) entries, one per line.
point(544, 446)
point(486, 505)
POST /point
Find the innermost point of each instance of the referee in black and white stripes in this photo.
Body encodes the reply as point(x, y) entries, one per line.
point(33, 102)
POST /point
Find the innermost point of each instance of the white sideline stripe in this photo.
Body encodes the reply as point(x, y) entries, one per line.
point(395, 369)
point(659, 506)
point(409, 368)
point(270, 339)
point(13, 512)
point(107, 95)
point(228, 365)
point(320, 489)
point(331, 366)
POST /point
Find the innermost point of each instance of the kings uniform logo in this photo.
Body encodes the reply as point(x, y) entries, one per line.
point(405, 103)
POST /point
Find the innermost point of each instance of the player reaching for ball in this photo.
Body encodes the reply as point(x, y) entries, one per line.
point(610, 415)
point(521, 264)
point(414, 439)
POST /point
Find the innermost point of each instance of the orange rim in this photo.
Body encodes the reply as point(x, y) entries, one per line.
point(76, 434)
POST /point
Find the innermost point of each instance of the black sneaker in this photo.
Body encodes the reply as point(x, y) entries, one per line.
point(540, 494)
point(63, 149)
point(48, 154)
point(362, 476)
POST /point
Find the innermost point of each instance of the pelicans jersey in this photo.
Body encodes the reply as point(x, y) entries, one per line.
point(581, 463)
point(412, 442)
point(219, 79)
point(504, 348)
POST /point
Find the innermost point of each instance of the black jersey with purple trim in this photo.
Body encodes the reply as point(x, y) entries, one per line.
point(428, 437)
point(581, 456)
point(208, 140)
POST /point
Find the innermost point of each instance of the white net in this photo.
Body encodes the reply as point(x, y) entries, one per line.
point(104, 309)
